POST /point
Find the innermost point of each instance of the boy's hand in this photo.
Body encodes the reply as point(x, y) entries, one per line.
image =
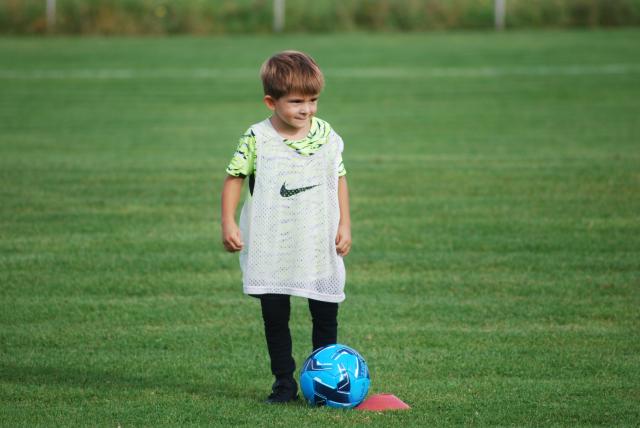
point(343, 239)
point(231, 238)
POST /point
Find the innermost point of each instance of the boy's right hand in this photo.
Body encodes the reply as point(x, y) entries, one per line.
point(231, 238)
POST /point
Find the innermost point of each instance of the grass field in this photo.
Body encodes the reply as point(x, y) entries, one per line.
point(495, 191)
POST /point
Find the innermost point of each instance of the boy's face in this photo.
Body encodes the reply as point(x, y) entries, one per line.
point(294, 110)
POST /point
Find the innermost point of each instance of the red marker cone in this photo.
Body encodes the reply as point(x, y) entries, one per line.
point(382, 402)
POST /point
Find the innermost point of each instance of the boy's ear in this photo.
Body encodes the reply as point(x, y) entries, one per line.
point(270, 102)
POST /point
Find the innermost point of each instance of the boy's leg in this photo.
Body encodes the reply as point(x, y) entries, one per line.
point(275, 313)
point(325, 323)
point(276, 309)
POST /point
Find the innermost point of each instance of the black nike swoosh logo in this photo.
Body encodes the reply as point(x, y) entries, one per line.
point(285, 193)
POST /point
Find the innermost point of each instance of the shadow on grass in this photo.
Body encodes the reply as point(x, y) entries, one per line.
point(106, 380)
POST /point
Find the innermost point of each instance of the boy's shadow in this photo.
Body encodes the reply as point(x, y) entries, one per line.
point(105, 380)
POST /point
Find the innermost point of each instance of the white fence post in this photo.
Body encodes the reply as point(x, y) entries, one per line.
point(51, 15)
point(278, 15)
point(500, 7)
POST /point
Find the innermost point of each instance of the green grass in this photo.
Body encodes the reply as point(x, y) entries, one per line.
point(494, 278)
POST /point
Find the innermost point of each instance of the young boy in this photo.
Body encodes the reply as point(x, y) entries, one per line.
point(295, 225)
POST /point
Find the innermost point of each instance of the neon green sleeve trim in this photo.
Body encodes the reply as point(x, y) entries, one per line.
point(341, 169)
point(244, 159)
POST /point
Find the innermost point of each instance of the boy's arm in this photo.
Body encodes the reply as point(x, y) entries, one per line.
point(231, 191)
point(343, 238)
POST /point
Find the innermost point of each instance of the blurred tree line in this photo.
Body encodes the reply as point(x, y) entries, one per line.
point(255, 16)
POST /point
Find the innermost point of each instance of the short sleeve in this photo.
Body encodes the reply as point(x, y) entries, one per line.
point(341, 169)
point(244, 159)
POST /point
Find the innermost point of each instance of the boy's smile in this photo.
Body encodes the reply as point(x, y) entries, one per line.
point(292, 114)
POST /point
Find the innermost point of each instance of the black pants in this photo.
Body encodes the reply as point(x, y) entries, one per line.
point(276, 309)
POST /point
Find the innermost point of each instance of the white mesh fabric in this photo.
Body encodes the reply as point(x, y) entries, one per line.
point(290, 240)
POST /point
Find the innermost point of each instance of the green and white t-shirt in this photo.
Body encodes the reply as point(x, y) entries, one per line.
point(243, 162)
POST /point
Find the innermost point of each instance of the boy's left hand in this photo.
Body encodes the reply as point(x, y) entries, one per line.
point(343, 240)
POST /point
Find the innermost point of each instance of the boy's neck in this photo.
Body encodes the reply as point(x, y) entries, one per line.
point(287, 131)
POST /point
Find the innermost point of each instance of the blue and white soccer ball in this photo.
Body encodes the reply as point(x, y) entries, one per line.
point(335, 376)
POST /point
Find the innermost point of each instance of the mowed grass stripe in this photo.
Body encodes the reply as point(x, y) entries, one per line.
point(349, 73)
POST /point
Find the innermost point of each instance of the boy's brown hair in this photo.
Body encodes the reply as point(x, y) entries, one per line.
point(291, 72)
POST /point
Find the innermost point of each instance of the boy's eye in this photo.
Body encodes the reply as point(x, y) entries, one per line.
point(298, 101)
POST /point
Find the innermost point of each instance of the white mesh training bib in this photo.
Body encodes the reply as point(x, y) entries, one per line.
point(289, 225)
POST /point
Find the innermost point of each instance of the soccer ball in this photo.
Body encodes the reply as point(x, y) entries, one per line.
point(335, 376)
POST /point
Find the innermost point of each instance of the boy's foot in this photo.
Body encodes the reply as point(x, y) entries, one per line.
point(283, 391)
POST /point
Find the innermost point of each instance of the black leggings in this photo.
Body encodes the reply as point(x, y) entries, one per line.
point(276, 309)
